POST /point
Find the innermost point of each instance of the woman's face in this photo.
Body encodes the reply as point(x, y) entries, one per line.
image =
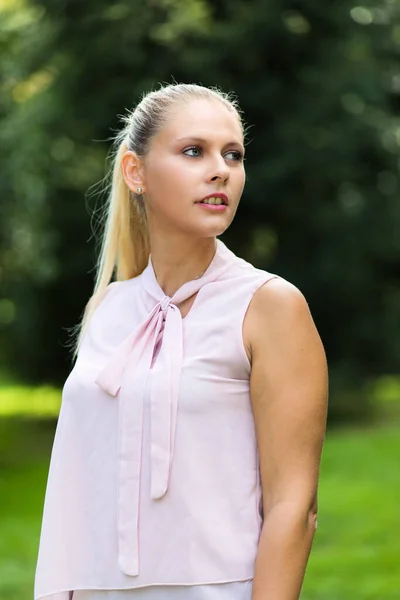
point(198, 153)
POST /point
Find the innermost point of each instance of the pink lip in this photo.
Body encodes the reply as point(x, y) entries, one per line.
point(213, 206)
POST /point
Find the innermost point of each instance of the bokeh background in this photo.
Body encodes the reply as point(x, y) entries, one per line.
point(319, 83)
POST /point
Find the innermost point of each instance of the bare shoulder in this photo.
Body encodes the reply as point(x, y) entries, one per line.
point(277, 294)
point(278, 312)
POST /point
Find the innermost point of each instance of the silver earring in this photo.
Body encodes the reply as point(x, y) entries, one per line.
point(139, 190)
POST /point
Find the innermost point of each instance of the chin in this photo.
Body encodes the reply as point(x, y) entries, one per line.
point(210, 232)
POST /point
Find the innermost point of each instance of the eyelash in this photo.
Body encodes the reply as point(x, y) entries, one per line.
point(239, 155)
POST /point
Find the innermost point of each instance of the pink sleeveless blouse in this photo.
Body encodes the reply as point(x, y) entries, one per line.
point(154, 473)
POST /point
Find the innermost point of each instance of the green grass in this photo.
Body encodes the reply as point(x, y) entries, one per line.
point(24, 457)
point(356, 548)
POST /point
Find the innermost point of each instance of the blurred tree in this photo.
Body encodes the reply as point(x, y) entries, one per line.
point(320, 87)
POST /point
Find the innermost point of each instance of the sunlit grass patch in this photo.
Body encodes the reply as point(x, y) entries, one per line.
point(42, 401)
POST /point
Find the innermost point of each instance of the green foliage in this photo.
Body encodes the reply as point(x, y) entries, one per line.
point(356, 546)
point(320, 90)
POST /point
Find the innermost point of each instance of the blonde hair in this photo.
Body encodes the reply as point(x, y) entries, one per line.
point(125, 246)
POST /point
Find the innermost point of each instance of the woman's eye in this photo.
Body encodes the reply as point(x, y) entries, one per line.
point(235, 155)
point(194, 150)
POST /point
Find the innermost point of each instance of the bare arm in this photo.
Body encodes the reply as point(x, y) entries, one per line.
point(289, 397)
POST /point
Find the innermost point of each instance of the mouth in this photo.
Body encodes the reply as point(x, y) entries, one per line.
point(218, 200)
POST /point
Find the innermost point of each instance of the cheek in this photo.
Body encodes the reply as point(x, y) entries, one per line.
point(173, 190)
point(168, 186)
point(167, 177)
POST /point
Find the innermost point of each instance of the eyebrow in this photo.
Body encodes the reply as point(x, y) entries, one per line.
point(194, 138)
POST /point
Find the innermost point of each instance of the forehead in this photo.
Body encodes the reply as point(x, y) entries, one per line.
point(207, 119)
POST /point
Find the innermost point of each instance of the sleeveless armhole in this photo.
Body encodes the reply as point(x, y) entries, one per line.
point(263, 279)
point(108, 292)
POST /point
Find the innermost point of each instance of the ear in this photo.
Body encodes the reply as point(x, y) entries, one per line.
point(133, 171)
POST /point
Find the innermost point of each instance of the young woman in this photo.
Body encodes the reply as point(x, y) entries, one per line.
point(186, 458)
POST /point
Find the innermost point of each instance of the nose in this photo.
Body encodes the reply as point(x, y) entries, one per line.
point(220, 170)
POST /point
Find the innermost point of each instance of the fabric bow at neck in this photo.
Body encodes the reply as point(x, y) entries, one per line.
point(158, 339)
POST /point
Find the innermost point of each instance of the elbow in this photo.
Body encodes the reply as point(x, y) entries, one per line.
point(303, 513)
point(313, 519)
point(313, 513)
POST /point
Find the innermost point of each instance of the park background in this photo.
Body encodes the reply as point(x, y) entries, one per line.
point(319, 84)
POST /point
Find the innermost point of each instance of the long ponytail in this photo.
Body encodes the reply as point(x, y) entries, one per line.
point(125, 244)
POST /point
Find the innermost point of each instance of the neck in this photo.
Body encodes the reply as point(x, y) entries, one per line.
point(176, 261)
